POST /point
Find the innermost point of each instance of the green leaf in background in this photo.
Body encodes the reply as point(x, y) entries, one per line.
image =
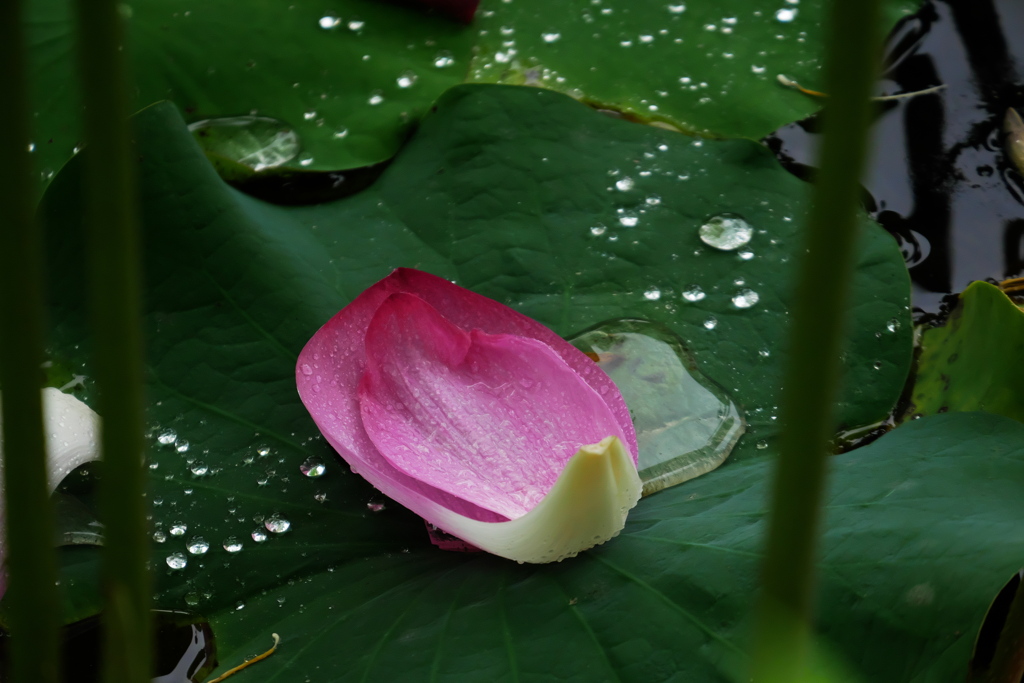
point(921, 533)
point(973, 361)
point(521, 194)
point(709, 67)
point(350, 77)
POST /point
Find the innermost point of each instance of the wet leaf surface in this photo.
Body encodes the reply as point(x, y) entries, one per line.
point(904, 583)
point(698, 66)
point(500, 190)
point(352, 77)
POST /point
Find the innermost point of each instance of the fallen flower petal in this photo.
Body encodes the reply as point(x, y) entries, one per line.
point(472, 415)
point(72, 439)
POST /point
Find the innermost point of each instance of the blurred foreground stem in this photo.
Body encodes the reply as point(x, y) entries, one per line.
point(113, 253)
point(31, 562)
point(785, 611)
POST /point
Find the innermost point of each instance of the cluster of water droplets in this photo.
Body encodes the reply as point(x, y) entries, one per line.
point(330, 22)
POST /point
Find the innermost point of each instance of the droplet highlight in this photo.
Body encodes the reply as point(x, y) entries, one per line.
point(726, 231)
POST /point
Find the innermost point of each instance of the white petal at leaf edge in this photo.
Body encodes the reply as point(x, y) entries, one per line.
point(587, 506)
point(72, 432)
point(72, 435)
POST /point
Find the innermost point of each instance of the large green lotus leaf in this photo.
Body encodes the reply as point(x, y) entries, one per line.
point(973, 361)
point(500, 190)
point(709, 67)
point(220, 59)
point(921, 531)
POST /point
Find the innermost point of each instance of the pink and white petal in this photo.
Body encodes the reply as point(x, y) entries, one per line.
point(327, 377)
point(470, 310)
point(491, 418)
point(587, 506)
point(332, 363)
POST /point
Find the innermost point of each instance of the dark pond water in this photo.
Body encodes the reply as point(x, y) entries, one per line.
point(185, 651)
point(939, 179)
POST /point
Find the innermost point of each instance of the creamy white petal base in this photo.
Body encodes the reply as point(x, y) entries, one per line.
point(72, 435)
point(72, 438)
point(586, 507)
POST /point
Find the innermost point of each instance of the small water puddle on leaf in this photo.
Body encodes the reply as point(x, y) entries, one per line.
point(258, 142)
point(686, 425)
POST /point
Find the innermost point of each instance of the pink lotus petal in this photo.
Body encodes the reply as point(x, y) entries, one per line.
point(490, 418)
point(334, 361)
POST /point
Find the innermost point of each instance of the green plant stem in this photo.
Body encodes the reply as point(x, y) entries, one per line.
point(31, 562)
point(114, 296)
point(785, 611)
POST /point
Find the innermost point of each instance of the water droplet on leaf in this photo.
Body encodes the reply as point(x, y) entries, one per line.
point(693, 293)
point(745, 298)
point(726, 231)
point(277, 524)
point(177, 561)
point(197, 545)
point(313, 467)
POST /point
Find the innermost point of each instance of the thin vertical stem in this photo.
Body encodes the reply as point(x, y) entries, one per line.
point(31, 562)
point(813, 370)
point(114, 295)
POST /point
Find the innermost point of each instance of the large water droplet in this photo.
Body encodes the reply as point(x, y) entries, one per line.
point(745, 298)
point(328, 22)
point(159, 536)
point(232, 544)
point(181, 445)
point(199, 468)
point(551, 37)
point(259, 535)
point(726, 231)
point(277, 524)
point(652, 294)
point(893, 324)
point(197, 545)
point(710, 323)
point(786, 14)
point(258, 142)
point(167, 437)
point(179, 529)
point(177, 561)
point(376, 97)
point(313, 467)
point(686, 425)
point(625, 184)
